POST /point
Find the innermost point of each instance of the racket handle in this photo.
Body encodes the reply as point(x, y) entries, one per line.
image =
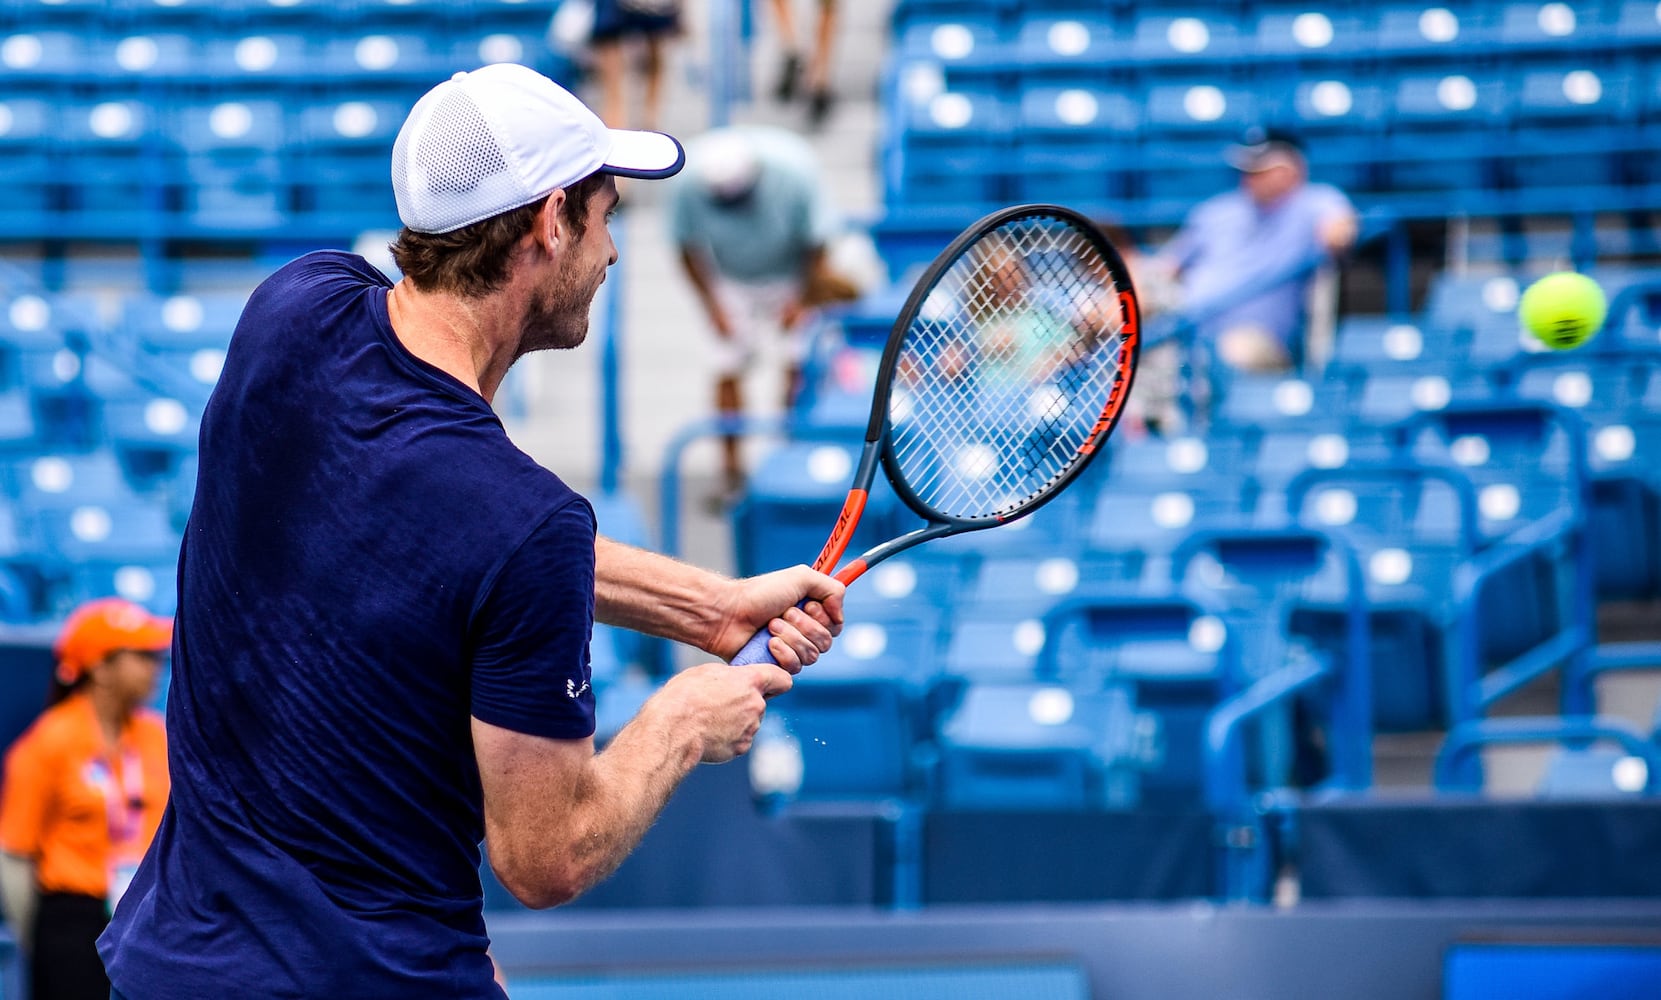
point(756, 651)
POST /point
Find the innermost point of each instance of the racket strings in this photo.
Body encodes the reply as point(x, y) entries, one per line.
point(1014, 355)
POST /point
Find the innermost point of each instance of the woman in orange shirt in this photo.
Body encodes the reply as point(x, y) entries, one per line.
point(85, 786)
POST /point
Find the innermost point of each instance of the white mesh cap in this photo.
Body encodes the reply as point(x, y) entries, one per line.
point(482, 143)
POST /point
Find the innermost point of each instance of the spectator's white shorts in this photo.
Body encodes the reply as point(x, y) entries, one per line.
point(752, 311)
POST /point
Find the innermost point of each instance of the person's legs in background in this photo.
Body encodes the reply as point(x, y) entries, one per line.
point(729, 405)
point(730, 357)
point(609, 73)
point(819, 67)
point(790, 64)
point(65, 964)
point(651, 69)
point(812, 76)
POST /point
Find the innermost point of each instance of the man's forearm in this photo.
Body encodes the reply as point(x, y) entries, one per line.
point(18, 895)
point(647, 592)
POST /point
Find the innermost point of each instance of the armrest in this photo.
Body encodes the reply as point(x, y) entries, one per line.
point(1470, 737)
point(1225, 767)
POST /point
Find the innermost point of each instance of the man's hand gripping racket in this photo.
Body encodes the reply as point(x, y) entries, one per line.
point(1002, 378)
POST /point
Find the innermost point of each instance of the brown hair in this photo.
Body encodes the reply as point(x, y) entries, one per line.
point(473, 260)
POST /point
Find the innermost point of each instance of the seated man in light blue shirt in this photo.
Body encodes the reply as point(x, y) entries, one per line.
point(1233, 253)
point(751, 217)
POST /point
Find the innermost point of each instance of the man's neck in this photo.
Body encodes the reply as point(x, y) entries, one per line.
point(469, 339)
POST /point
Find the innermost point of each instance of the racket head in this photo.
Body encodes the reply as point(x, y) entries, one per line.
point(1007, 368)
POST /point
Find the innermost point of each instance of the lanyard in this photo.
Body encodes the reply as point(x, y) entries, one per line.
point(125, 805)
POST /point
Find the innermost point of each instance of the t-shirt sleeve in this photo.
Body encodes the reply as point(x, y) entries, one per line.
point(1330, 202)
point(530, 667)
point(23, 797)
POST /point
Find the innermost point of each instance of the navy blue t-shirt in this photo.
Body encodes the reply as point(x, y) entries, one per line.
point(369, 562)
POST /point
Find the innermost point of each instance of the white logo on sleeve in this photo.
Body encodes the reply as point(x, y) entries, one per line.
point(572, 690)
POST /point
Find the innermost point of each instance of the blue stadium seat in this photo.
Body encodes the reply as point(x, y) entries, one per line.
point(1394, 396)
point(474, 48)
point(1374, 342)
point(1037, 747)
point(1059, 50)
point(1075, 145)
point(1147, 524)
point(143, 57)
point(27, 127)
point(1172, 35)
point(1202, 109)
point(106, 156)
point(1573, 94)
point(233, 176)
point(908, 13)
point(1549, 24)
point(176, 11)
point(1001, 650)
point(1526, 460)
point(1342, 119)
point(153, 585)
point(345, 147)
point(1579, 107)
point(1445, 133)
point(1274, 585)
point(1180, 462)
point(223, 127)
point(1280, 34)
point(1417, 28)
point(1186, 127)
point(1274, 401)
point(1591, 772)
point(1027, 584)
point(1177, 656)
point(30, 325)
point(1638, 22)
point(1281, 454)
point(965, 38)
point(793, 499)
point(372, 57)
point(45, 56)
point(184, 321)
point(915, 583)
point(1411, 527)
point(859, 714)
point(152, 436)
point(67, 480)
point(1461, 304)
point(109, 533)
point(257, 61)
point(18, 432)
point(954, 148)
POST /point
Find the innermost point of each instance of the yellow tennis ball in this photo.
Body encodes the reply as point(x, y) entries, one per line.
point(1563, 309)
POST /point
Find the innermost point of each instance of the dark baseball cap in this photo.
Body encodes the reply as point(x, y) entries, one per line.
point(1259, 144)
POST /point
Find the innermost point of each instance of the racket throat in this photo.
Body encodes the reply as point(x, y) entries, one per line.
point(846, 523)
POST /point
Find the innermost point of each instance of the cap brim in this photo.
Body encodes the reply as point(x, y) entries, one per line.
point(156, 636)
point(1245, 157)
point(648, 155)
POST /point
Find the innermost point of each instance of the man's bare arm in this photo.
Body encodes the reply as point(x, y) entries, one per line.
point(560, 817)
point(651, 593)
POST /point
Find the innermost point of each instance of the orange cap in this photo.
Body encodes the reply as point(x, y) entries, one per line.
point(98, 628)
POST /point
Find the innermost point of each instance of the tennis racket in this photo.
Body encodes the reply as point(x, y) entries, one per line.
point(1004, 374)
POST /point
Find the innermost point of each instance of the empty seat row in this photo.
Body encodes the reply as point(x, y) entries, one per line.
point(151, 63)
point(1039, 39)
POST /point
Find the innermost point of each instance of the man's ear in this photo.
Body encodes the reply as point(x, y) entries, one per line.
point(551, 231)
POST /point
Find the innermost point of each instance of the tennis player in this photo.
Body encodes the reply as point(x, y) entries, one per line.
point(381, 655)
